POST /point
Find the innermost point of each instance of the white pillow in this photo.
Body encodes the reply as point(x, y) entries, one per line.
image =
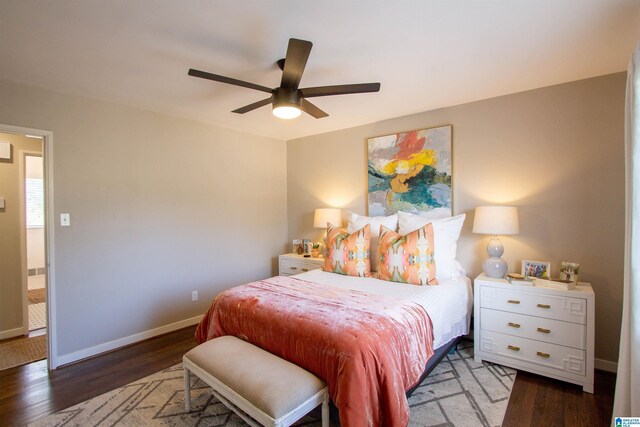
point(446, 232)
point(356, 222)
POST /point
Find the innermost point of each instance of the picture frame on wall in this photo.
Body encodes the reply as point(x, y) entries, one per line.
point(410, 171)
point(540, 269)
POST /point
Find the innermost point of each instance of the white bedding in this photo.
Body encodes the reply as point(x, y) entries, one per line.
point(448, 304)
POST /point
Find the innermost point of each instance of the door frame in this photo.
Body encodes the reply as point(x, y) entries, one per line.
point(24, 258)
point(49, 237)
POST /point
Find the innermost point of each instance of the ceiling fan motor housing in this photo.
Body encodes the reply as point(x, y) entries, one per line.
point(286, 97)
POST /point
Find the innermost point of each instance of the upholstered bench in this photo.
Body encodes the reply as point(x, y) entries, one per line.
point(251, 381)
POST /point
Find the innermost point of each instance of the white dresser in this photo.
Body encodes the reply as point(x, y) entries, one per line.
point(290, 264)
point(545, 331)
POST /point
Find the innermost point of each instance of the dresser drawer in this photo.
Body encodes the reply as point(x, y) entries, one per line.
point(545, 355)
point(536, 328)
point(293, 266)
point(548, 306)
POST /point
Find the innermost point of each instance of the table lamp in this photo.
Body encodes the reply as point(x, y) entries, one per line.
point(496, 221)
point(323, 216)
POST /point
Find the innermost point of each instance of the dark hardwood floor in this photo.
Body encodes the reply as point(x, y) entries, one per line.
point(29, 392)
point(541, 401)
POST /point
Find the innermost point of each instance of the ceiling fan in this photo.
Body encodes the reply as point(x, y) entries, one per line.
point(287, 100)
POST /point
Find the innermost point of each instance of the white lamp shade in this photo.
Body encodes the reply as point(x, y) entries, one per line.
point(327, 215)
point(496, 220)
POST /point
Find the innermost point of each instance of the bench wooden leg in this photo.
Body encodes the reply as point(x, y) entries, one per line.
point(325, 410)
point(187, 390)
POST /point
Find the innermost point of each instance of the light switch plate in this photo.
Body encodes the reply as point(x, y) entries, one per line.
point(1, 202)
point(5, 150)
point(65, 220)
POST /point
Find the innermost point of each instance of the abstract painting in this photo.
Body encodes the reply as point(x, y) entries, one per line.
point(410, 172)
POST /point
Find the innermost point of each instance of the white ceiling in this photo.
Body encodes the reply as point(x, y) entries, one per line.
point(426, 54)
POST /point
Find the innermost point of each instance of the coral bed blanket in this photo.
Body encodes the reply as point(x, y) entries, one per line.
point(369, 349)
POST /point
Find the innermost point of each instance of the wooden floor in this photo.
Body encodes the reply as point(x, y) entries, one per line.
point(29, 392)
point(540, 401)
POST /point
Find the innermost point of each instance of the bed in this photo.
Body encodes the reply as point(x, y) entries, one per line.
point(449, 304)
point(382, 398)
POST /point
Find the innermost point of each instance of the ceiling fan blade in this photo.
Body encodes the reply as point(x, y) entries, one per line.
point(311, 109)
point(294, 63)
point(340, 89)
point(253, 106)
point(228, 80)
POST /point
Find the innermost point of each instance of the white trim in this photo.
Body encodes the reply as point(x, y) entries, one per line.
point(50, 265)
point(65, 359)
point(606, 365)
point(11, 333)
point(47, 153)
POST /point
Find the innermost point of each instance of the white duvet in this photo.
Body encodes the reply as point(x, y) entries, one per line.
point(448, 304)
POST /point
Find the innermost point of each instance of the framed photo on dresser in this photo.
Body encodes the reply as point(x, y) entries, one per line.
point(536, 268)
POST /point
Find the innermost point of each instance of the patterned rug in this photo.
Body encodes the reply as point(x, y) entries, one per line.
point(459, 392)
point(37, 316)
point(21, 351)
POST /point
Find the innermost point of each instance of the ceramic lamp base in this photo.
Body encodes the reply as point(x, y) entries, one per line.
point(495, 266)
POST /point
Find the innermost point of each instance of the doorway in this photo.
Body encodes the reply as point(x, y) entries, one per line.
point(27, 315)
point(33, 197)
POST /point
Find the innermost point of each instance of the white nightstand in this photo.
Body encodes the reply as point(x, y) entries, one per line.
point(545, 331)
point(291, 264)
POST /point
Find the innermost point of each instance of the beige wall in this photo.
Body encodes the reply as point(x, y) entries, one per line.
point(160, 206)
point(35, 248)
point(10, 265)
point(557, 153)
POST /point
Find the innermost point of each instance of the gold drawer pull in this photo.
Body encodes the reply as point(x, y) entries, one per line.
point(544, 331)
point(513, 347)
point(513, 301)
point(513, 325)
point(294, 268)
point(305, 269)
point(541, 354)
point(544, 306)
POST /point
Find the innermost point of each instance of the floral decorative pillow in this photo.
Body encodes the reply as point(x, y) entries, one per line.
point(408, 258)
point(348, 253)
point(356, 222)
point(446, 232)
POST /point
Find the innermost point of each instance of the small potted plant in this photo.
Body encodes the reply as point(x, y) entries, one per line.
point(315, 249)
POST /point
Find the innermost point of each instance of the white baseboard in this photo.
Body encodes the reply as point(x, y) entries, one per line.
point(65, 359)
point(12, 333)
point(606, 365)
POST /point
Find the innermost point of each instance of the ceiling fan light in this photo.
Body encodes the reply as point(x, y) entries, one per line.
point(286, 111)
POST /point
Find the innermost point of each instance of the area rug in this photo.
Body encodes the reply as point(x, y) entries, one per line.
point(37, 316)
point(22, 351)
point(37, 296)
point(459, 392)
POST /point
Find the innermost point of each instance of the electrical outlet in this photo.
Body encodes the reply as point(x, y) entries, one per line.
point(194, 296)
